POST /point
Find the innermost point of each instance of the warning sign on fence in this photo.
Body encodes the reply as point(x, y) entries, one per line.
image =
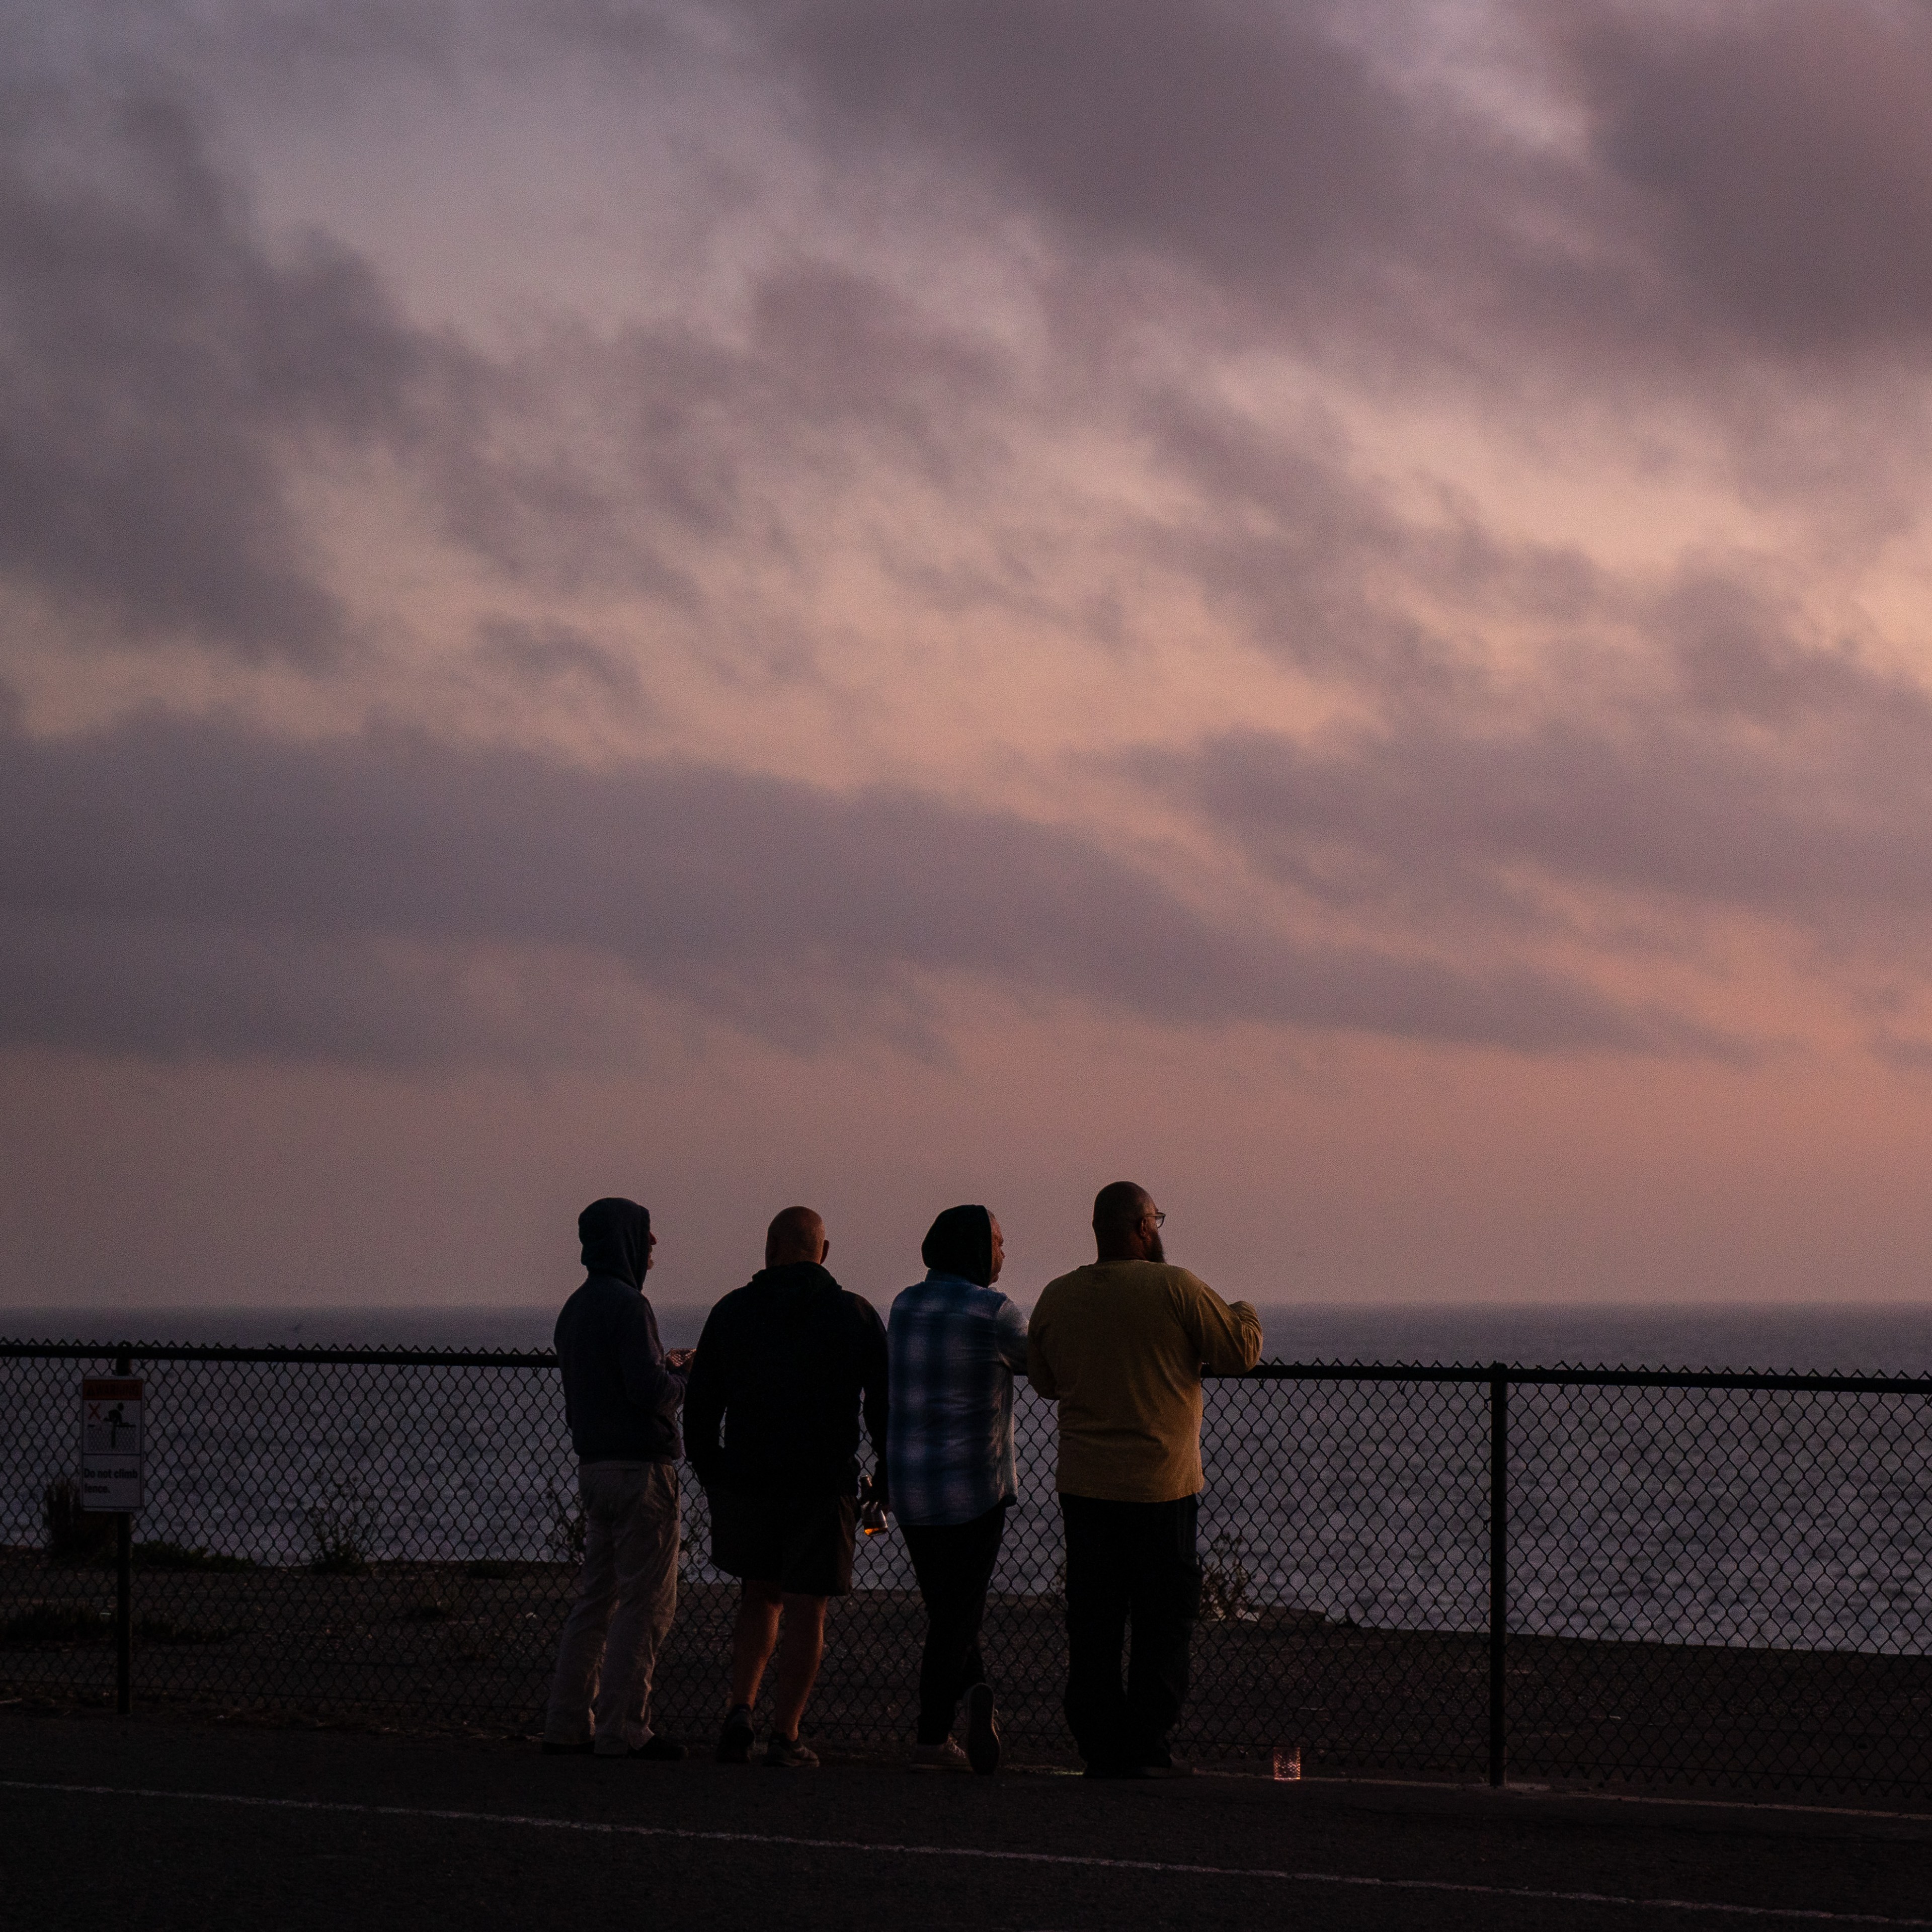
point(110, 1442)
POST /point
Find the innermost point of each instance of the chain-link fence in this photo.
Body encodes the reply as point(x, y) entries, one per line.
point(1722, 1582)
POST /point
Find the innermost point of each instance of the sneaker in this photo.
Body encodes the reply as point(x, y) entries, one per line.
point(982, 1730)
point(788, 1754)
point(558, 1748)
point(734, 1741)
point(944, 1756)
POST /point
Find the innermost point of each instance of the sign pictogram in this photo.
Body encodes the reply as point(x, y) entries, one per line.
point(110, 1442)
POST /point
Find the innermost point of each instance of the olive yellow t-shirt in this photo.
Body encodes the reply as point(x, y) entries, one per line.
point(1120, 1346)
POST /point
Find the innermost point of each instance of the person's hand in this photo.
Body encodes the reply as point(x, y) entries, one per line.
point(678, 1358)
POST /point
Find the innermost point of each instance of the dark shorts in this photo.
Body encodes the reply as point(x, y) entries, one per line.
point(801, 1543)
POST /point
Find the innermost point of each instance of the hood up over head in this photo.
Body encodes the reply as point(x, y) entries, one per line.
point(616, 1238)
point(961, 1242)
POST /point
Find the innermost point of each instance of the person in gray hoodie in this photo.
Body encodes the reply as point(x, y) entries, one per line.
point(784, 1369)
point(621, 1393)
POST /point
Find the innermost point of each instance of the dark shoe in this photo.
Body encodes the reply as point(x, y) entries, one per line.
point(788, 1754)
point(982, 1730)
point(551, 1748)
point(658, 1749)
point(734, 1741)
point(1109, 1767)
point(944, 1756)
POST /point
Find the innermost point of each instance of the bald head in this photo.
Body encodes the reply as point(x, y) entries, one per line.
point(796, 1234)
point(1125, 1227)
point(1119, 1205)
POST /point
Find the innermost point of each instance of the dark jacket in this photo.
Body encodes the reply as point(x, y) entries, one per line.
point(619, 1396)
point(783, 1364)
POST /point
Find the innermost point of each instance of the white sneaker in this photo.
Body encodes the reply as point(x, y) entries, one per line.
point(944, 1756)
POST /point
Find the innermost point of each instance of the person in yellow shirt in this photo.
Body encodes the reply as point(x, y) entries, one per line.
point(1121, 1346)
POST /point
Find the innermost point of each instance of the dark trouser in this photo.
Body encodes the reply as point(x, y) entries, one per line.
point(1127, 1560)
point(954, 1564)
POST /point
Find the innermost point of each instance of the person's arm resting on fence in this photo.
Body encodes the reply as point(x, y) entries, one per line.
point(1228, 1335)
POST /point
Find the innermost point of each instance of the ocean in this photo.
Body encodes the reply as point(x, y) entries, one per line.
point(1789, 1519)
point(1817, 1337)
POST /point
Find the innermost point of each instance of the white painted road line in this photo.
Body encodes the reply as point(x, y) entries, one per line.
point(1783, 1913)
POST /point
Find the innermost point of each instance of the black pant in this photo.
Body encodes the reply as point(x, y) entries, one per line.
point(953, 1562)
point(1127, 1560)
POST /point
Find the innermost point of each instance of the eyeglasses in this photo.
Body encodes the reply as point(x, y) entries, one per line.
point(1159, 1219)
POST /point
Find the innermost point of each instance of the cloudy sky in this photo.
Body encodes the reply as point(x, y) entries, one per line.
point(889, 601)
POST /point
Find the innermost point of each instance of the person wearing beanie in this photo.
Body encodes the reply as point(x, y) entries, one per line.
point(621, 1393)
point(956, 1343)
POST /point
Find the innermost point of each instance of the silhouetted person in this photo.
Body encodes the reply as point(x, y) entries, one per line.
point(1120, 1345)
point(784, 1365)
point(954, 1342)
point(620, 1393)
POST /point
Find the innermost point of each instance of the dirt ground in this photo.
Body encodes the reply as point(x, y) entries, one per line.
point(460, 1646)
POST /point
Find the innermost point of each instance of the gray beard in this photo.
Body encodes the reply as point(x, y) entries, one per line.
point(1155, 1252)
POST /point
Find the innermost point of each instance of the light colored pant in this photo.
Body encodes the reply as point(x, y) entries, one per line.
point(630, 1567)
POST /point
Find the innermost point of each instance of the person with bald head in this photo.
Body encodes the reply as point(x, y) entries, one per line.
point(1121, 1345)
point(785, 1369)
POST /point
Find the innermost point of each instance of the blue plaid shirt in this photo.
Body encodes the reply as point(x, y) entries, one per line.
point(955, 1348)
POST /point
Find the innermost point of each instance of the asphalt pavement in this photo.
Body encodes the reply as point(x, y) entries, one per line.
point(160, 1822)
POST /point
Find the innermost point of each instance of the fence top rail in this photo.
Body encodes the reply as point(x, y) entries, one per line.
point(170, 1352)
point(1516, 1375)
point(1511, 1374)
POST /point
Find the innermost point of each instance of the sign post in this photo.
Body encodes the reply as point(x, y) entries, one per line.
point(113, 1441)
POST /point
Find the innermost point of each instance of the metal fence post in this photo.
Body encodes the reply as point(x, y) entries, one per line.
point(1499, 1567)
point(123, 1588)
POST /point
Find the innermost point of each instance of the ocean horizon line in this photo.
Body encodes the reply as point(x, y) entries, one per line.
point(1838, 1337)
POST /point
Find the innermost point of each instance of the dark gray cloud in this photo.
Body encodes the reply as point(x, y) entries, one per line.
point(187, 889)
point(158, 371)
point(1764, 172)
point(163, 369)
point(1323, 571)
point(1239, 169)
point(1782, 156)
point(1244, 138)
point(619, 459)
point(166, 374)
point(1761, 773)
